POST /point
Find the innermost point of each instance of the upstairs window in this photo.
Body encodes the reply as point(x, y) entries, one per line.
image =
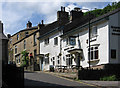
point(93, 31)
point(35, 40)
point(17, 36)
point(72, 40)
point(56, 41)
point(46, 41)
point(94, 53)
point(26, 34)
point(15, 49)
point(24, 44)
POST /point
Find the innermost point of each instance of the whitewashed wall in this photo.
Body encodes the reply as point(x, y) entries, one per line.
point(101, 40)
point(52, 49)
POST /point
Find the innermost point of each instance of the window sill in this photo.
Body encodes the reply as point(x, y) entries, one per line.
point(94, 60)
point(55, 45)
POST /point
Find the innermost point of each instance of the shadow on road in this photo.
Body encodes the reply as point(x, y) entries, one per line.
point(48, 81)
point(39, 84)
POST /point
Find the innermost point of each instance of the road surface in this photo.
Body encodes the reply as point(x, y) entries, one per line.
point(45, 80)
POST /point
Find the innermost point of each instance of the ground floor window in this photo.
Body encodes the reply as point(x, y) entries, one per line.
point(94, 52)
point(47, 60)
point(53, 60)
point(113, 53)
point(18, 59)
point(68, 61)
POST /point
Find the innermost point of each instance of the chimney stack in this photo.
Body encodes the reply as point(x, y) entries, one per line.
point(42, 22)
point(40, 25)
point(76, 14)
point(62, 16)
point(1, 27)
point(29, 24)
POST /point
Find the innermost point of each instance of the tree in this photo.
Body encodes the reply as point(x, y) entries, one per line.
point(25, 59)
point(108, 8)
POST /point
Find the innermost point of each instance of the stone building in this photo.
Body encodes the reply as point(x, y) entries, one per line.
point(65, 42)
point(25, 39)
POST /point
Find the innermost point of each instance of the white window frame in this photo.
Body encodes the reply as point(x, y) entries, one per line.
point(93, 50)
point(93, 31)
point(56, 41)
point(46, 41)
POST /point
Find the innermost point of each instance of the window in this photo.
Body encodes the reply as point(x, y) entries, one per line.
point(93, 31)
point(72, 40)
point(113, 54)
point(35, 40)
point(56, 41)
point(93, 53)
point(46, 41)
point(53, 60)
point(47, 60)
point(17, 36)
point(15, 49)
point(26, 34)
point(58, 60)
point(18, 59)
point(35, 59)
point(24, 44)
point(68, 60)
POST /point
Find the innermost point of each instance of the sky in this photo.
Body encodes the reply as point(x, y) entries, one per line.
point(15, 14)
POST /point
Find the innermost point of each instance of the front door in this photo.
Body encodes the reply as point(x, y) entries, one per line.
point(42, 64)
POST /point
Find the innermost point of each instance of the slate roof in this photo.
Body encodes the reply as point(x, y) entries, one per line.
point(26, 29)
point(79, 22)
point(48, 28)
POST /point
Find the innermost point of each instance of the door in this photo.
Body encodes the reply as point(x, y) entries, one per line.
point(42, 64)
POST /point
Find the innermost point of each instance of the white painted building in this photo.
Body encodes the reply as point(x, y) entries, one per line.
point(68, 45)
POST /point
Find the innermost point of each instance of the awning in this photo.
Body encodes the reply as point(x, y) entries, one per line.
point(72, 51)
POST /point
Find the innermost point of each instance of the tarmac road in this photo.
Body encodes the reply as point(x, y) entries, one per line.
point(44, 80)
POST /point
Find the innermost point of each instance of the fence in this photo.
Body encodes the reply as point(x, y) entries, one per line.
point(13, 77)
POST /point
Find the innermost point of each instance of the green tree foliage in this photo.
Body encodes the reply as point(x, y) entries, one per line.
point(25, 58)
point(108, 8)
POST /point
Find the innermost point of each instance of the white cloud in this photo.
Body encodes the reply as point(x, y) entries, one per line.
point(59, 0)
point(16, 14)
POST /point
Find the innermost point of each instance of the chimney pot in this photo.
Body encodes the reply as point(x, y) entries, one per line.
point(42, 22)
point(29, 24)
point(1, 27)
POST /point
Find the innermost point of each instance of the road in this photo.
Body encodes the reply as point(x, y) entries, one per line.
point(44, 80)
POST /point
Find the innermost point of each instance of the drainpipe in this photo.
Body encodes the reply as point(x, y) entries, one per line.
point(60, 50)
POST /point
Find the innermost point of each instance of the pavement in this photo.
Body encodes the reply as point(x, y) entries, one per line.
point(103, 84)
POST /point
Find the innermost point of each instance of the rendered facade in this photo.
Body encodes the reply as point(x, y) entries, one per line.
point(65, 42)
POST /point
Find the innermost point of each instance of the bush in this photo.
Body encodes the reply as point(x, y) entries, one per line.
point(51, 68)
point(109, 78)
